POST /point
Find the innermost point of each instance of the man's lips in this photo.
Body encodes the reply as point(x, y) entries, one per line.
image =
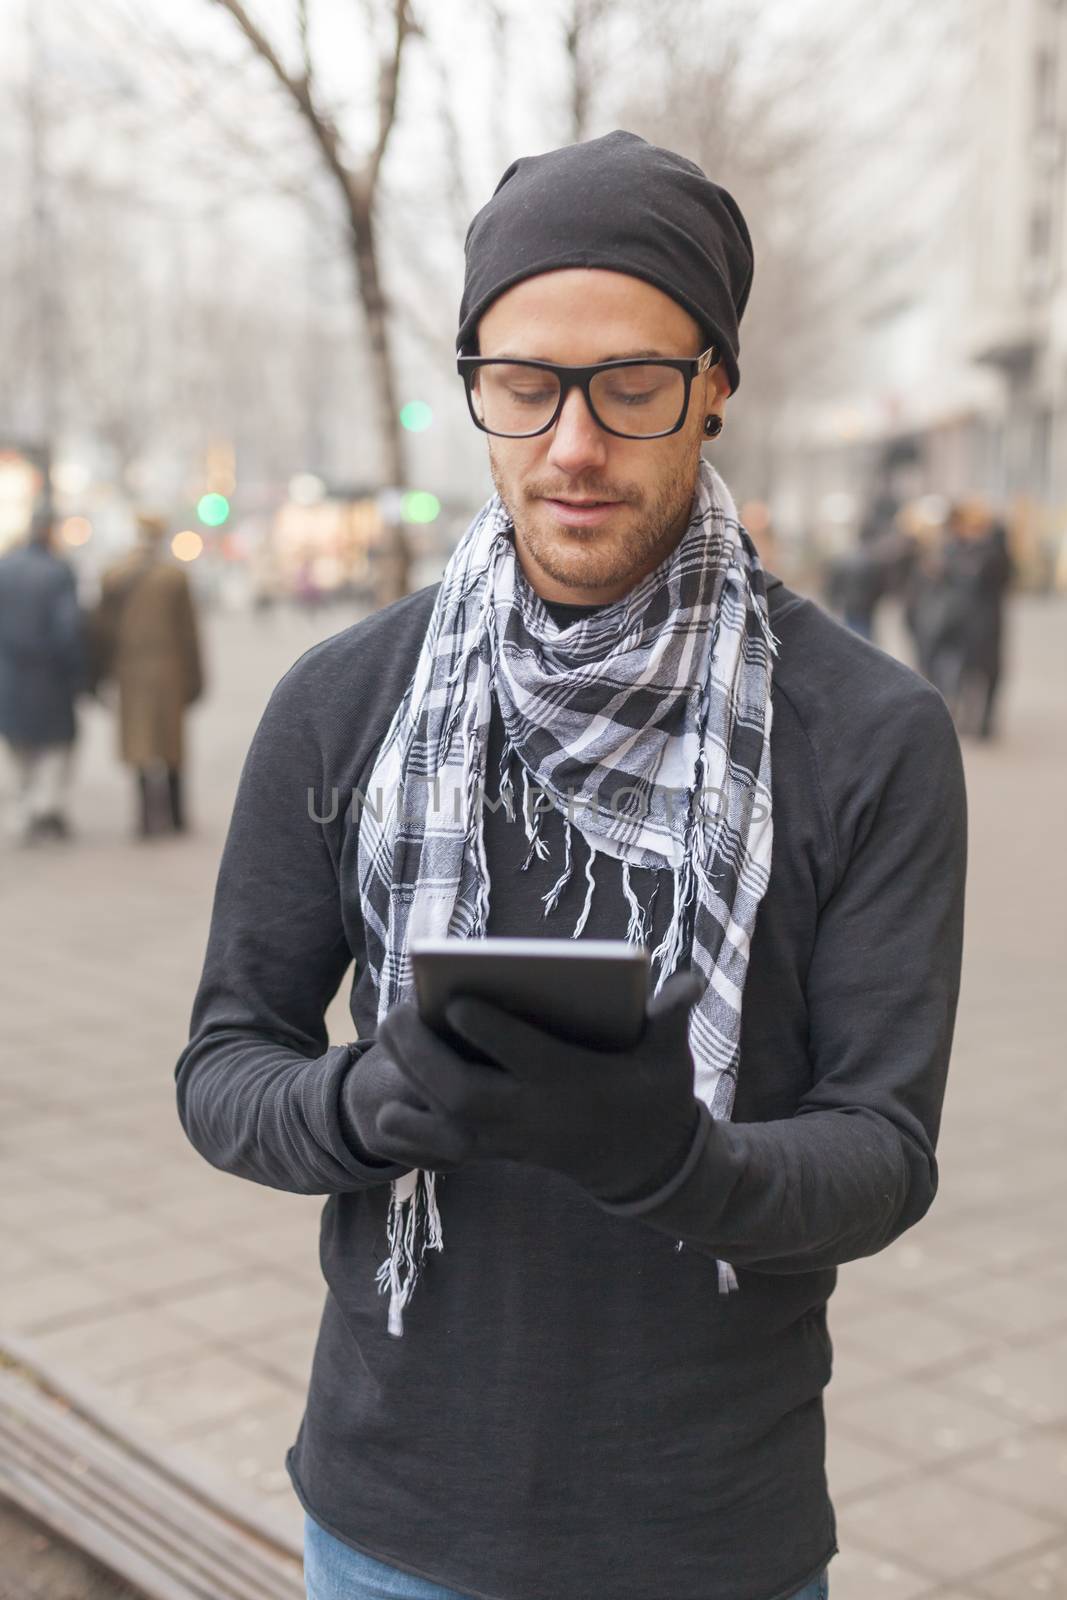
point(581, 513)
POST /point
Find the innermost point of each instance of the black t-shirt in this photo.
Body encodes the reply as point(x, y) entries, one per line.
point(563, 613)
point(574, 1409)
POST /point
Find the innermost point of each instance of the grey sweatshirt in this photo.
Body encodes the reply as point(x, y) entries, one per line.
point(574, 1410)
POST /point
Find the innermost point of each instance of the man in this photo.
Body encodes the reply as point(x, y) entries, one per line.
point(609, 1380)
point(147, 638)
point(42, 670)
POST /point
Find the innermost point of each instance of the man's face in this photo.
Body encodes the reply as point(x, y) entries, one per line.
point(594, 513)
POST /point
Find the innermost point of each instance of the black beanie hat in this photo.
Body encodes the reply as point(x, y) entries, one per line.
point(620, 203)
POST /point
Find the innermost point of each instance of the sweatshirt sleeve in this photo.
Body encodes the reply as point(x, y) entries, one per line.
point(259, 1088)
point(854, 1166)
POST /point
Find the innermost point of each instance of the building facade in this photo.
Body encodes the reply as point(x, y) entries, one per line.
point(954, 299)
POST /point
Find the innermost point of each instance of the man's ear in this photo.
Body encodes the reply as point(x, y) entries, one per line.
point(716, 391)
point(719, 390)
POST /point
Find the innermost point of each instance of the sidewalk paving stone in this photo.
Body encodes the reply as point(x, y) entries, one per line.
point(948, 1530)
point(904, 1338)
point(855, 1466)
point(859, 1574)
point(125, 1341)
point(185, 1265)
point(926, 1424)
point(286, 1354)
point(1028, 1470)
point(260, 1303)
point(198, 1394)
point(1027, 1382)
point(1040, 1575)
point(1025, 1306)
point(96, 1234)
point(59, 1296)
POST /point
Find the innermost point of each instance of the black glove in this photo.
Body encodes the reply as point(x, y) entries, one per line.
point(618, 1123)
point(428, 1140)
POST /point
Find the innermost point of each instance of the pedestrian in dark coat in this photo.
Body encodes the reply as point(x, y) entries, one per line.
point(991, 573)
point(854, 587)
point(956, 613)
point(42, 670)
point(146, 638)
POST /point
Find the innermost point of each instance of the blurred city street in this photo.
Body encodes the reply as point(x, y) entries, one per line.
point(243, 244)
point(190, 1299)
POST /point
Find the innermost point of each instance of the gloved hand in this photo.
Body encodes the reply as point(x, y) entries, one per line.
point(618, 1123)
point(428, 1140)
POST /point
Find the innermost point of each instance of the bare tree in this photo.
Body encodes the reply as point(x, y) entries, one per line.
point(357, 182)
point(757, 134)
point(579, 43)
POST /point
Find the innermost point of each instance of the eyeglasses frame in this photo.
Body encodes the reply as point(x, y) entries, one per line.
point(580, 378)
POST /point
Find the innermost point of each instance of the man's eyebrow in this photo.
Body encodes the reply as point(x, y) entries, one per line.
point(622, 355)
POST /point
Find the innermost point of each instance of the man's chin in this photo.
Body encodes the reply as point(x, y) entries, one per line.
point(583, 559)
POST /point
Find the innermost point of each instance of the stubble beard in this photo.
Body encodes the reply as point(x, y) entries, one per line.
point(593, 559)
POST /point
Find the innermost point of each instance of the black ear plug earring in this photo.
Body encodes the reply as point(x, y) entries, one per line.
point(712, 425)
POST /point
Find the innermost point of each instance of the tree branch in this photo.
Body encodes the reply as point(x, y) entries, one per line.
point(584, 18)
point(460, 205)
point(299, 90)
point(388, 89)
point(305, 37)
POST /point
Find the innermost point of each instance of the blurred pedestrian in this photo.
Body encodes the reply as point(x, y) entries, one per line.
point(985, 554)
point(860, 578)
point(756, 516)
point(42, 670)
point(956, 614)
point(854, 585)
point(306, 588)
point(147, 640)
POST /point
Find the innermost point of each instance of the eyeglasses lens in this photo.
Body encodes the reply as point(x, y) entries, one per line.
point(637, 401)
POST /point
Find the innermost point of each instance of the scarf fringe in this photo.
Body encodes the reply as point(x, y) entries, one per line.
point(551, 900)
point(532, 817)
point(637, 927)
point(473, 742)
point(505, 784)
point(413, 1201)
point(579, 926)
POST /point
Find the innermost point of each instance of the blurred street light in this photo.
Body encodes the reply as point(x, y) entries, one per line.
point(306, 489)
point(76, 531)
point(421, 506)
point(71, 477)
point(416, 416)
point(187, 545)
point(213, 509)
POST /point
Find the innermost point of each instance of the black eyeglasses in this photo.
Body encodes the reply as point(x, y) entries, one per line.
point(646, 398)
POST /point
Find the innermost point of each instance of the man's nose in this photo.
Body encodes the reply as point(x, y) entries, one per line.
point(577, 442)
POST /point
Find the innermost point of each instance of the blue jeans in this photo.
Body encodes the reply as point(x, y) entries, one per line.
point(334, 1571)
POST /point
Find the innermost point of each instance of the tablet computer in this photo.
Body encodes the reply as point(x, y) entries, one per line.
point(589, 991)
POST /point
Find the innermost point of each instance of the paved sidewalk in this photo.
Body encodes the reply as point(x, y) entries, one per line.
point(192, 1299)
point(35, 1565)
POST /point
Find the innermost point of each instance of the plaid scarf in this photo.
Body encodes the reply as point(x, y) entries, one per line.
point(646, 724)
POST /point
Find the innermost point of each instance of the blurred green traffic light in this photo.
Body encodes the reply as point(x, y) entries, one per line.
point(420, 506)
point(416, 417)
point(213, 509)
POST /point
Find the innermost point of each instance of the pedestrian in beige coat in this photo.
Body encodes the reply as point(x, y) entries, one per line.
point(146, 639)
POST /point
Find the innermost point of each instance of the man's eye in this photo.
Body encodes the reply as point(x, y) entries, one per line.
point(530, 397)
point(630, 396)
